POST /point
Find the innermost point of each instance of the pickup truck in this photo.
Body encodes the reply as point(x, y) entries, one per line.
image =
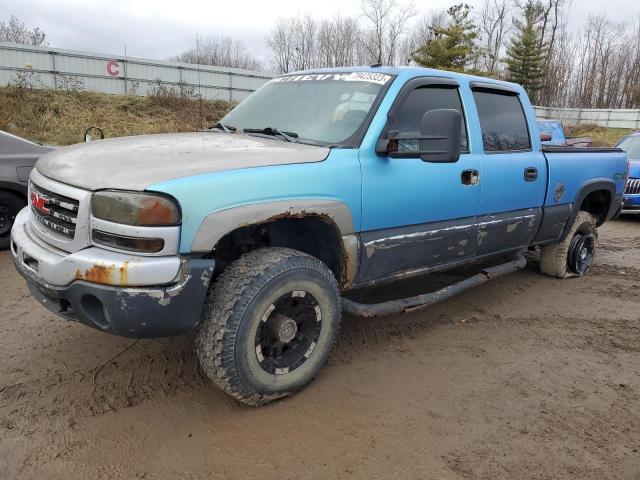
point(318, 183)
point(552, 133)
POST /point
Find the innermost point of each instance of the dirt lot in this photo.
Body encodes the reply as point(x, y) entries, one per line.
point(526, 377)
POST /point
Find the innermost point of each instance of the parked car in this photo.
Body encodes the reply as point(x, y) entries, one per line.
point(17, 158)
point(552, 133)
point(631, 145)
point(318, 183)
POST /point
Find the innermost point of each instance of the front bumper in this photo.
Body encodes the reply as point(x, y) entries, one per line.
point(631, 204)
point(117, 296)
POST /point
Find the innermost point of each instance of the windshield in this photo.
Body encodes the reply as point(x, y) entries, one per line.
point(631, 145)
point(325, 108)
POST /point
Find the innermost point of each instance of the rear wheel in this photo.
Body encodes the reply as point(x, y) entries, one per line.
point(268, 324)
point(10, 205)
point(573, 256)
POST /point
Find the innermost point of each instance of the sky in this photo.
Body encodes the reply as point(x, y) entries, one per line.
point(161, 28)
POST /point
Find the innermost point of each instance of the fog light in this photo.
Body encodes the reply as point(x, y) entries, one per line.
point(131, 244)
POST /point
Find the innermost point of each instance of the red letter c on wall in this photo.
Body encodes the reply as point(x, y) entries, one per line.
point(112, 68)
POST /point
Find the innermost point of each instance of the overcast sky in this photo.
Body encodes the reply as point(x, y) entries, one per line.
point(162, 28)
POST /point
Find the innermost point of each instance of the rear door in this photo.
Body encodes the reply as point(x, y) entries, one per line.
point(513, 171)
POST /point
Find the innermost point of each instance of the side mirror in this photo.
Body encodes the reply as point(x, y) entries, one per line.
point(438, 140)
point(88, 137)
point(442, 131)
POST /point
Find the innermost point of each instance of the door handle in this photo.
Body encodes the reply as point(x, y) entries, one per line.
point(470, 177)
point(530, 174)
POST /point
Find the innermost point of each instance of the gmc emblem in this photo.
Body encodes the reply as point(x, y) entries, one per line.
point(39, 203)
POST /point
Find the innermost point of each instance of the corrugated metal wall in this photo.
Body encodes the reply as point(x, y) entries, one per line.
point(55, 68)
point(623, 118)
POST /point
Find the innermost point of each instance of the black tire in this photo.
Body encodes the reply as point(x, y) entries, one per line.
point(10, 205)
point(241, 304)
point(559, 259)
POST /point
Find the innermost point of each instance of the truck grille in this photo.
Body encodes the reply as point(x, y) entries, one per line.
point(56, 212)
point(633, 186)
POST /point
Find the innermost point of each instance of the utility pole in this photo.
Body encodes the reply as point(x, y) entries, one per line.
point(199, 83)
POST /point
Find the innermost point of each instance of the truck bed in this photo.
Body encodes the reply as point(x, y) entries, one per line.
point(571, 168)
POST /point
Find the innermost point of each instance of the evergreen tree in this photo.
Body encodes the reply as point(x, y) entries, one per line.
point(527, 51)
point(453, 47)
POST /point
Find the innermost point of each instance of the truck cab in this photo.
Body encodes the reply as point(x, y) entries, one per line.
point(319, 182)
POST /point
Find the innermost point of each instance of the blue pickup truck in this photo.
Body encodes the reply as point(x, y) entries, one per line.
point(318, 183)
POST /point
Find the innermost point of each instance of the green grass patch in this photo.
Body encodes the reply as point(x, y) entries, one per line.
point(601, 136)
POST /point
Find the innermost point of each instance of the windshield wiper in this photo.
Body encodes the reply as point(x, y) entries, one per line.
point(224, 128)
point(288, 136)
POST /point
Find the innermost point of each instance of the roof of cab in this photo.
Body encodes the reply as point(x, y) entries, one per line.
point(409, 72)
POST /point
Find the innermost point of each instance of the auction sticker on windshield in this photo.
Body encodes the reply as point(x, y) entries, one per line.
point(373, 77)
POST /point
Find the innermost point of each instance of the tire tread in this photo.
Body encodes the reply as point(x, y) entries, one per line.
point(230, 293)
point(553, 258)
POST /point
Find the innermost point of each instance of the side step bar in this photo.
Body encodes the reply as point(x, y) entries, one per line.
point(413, 303)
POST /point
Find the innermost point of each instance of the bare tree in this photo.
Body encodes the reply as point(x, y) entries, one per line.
point(560, 74)
point(337, 42)
point(304, 30)
point(387, 22)
point(495, 24)
point(397, 29)
point(552, 17)
point(595, 67)
point(280, 43)
point(221, 51)
point(15, 31)
point(422, 33)
point(300, 43)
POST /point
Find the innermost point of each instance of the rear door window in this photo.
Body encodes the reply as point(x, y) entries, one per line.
point(502, 121)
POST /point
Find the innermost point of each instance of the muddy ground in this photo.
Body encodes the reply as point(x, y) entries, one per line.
point(526, 377)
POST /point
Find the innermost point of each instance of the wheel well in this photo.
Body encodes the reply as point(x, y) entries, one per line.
point(597, 203)
point(314, 234)
point(22, 196)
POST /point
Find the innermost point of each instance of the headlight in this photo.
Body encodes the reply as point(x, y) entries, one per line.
point(132, 208)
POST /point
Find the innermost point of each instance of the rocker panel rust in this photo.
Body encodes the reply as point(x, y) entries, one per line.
point(391, 254)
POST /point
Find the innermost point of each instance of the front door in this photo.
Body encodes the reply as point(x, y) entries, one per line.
point(418, 214)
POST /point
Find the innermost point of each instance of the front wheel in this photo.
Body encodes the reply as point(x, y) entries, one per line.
point(573, 256)
point(268, 325)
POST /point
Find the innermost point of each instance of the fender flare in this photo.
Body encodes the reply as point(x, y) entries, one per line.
point(586, 188)
point(218, 224)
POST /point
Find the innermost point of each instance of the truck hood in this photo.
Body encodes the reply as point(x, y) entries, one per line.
point(634, 168)
point(134, 163)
